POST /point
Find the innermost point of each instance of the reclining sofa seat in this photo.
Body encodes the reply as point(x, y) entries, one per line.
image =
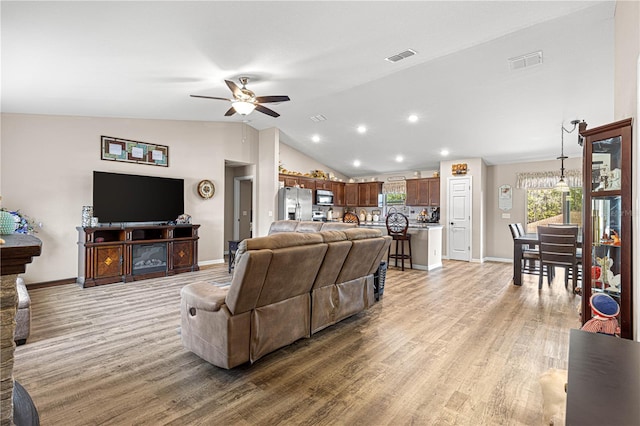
point(269, 302)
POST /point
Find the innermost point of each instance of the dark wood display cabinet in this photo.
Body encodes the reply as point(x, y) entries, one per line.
point(607, 225)
point(116, 254)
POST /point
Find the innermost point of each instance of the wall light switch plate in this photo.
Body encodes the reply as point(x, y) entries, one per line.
point(506, 215)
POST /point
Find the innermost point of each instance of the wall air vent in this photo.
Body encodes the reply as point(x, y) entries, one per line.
point(400, 56)
point(525, 61)
point(318, 118)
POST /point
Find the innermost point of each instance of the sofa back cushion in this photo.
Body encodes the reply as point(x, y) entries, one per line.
point(337, 226)
point(338, 247)
point(309, 226)
point(273, 268)
point(248, 276)
point(365, 248)
point(292, 272)
point(283, 226)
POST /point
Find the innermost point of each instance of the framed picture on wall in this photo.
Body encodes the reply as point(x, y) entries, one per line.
point(117, 149)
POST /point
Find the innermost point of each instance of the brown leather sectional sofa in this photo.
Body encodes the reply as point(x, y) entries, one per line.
point(286, 286)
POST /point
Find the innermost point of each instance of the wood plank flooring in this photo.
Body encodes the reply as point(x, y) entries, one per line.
point(455, 346)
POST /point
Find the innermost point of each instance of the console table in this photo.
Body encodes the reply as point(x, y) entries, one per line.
point(110, 254)
point(604, 380)
point(18, 250)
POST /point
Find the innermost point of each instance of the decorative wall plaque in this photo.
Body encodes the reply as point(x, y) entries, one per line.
point(116, 149)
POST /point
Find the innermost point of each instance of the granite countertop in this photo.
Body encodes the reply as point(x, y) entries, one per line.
point(412, 224)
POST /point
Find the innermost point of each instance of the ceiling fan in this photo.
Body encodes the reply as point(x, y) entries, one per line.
point(245, 101)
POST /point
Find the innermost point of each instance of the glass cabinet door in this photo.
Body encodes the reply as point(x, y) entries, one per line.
point(606, 268)
point(607, 247)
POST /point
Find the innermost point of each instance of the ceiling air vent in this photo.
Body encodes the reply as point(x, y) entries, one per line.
point(400, 56)
point(318, 118)
point(525, 61)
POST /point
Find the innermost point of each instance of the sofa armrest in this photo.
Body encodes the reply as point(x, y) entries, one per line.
point(203, 295)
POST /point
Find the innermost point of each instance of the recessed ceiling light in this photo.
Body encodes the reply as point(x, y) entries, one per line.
point(444, 152)
point(356, 163)
point(362, 129)
point(315, 138)
point(412, 118)
point(399, 158)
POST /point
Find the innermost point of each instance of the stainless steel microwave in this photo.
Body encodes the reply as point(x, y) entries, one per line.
point(324, 197)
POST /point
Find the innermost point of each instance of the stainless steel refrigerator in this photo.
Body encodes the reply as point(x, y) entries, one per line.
point(294, 203)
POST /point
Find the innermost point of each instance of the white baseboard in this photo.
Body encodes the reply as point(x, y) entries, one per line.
point(498, 259)
point(210, 262)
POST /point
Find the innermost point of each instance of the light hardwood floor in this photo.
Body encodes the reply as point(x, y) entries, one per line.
point(459, 345)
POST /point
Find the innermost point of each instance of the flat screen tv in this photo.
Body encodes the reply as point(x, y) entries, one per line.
point(132, 198)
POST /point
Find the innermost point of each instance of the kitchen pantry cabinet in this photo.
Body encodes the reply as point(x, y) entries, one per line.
point(607, 249)
point(423, 192)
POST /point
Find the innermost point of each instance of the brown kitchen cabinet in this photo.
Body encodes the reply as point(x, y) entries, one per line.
point(323, 184)
point(423, 192)
point(351, 194)
point(338, 194)
point(368, 194)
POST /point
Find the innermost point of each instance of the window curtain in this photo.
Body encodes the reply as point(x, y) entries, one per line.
point(538, 180)
point(397, 187)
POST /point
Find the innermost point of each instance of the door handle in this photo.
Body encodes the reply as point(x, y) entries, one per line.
point(451, 223)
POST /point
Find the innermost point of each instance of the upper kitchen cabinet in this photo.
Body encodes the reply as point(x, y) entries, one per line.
point(423, 192)
point(351, 194)
point(338, 194)
point(368, 194)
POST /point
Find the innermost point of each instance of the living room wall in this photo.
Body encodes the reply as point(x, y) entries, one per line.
point(47, 163)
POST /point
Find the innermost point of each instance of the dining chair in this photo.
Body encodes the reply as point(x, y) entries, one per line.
point(558, 246)
point(351, 218)
point(578, 249)
point(530, 257)
point(397, 226)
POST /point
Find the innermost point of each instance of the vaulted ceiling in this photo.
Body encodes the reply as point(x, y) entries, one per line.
point(144, 59)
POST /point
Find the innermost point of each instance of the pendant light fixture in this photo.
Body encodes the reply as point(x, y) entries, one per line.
point(562, 185)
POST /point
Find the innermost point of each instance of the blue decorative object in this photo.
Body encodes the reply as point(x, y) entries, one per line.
point(7, 223)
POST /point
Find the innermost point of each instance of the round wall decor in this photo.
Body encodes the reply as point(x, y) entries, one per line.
point(206, 189)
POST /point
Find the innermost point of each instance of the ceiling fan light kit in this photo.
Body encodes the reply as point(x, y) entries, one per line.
point(245, 101)
point(243, 108)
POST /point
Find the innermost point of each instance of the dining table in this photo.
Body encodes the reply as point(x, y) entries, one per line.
point(529, 239)
point(604, 380)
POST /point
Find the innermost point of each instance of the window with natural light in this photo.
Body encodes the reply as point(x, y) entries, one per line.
point(548, 205)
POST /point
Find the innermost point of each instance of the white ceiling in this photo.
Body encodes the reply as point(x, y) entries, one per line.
point(144, 59)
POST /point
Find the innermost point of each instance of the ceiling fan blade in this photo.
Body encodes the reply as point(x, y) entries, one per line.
point(267, 99)
point(210, 97)
point(237, 93)
point(267, 111)
point(230, 112)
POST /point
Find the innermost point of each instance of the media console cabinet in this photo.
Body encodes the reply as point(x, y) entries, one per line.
point(123, 254)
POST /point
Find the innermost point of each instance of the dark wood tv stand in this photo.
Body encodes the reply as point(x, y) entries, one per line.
point(110, 254)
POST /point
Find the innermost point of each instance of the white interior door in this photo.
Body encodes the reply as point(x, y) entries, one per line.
point(459, 218)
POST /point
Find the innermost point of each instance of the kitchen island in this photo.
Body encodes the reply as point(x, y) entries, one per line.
point(426, 243)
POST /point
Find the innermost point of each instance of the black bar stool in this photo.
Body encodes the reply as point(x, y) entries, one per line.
point(397, 226)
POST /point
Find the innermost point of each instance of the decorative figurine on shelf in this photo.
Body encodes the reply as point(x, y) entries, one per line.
point(604, 310)
point(183, 219)
point(605, 264)
point(615, 237)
